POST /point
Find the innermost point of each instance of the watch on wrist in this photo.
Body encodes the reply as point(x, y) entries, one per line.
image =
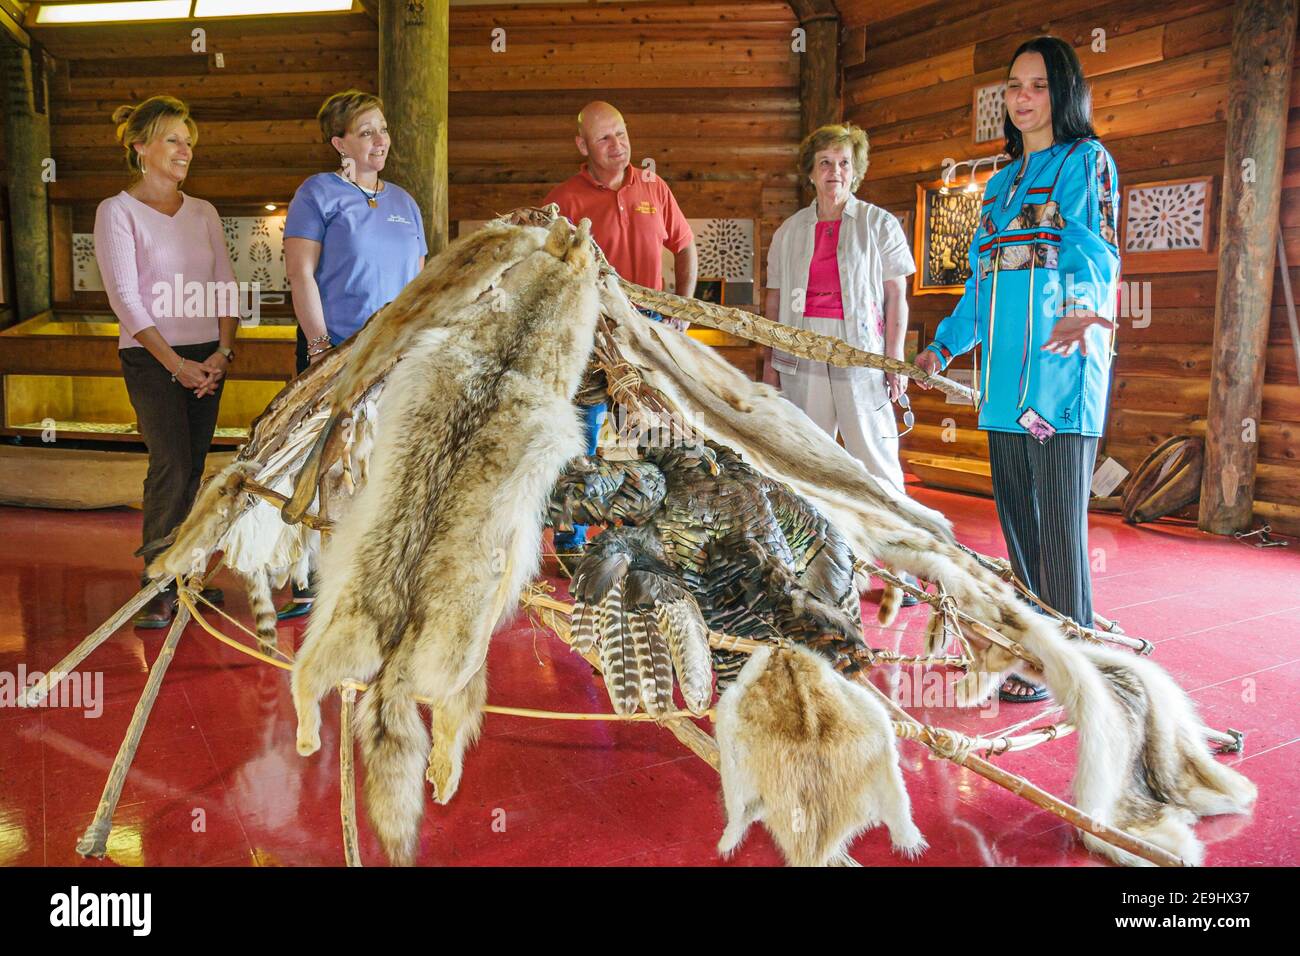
point(228, 353)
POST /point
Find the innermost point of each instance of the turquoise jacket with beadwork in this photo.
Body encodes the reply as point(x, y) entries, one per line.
point(1046, 245)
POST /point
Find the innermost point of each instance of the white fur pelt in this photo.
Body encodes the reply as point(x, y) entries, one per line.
point(812, 756)
point(779, 440)
point(477, 423)
point(1163, 778)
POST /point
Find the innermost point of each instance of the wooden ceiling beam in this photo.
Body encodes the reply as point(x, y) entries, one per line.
point(12, 13)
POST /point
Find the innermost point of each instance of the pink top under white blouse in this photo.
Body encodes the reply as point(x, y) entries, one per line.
point(871, 250)
point(825, 300)
point(141, 250)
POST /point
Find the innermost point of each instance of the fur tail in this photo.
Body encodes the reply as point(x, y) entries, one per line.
point(263, 607)
point(395, 747)
point(890, 601)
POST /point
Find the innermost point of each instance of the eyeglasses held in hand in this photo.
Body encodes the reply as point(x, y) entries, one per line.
point(909, 418)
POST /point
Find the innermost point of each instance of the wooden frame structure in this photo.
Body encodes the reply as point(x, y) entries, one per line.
point(945, 743)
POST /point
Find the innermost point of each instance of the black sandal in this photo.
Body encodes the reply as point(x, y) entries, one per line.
point(1039, 691)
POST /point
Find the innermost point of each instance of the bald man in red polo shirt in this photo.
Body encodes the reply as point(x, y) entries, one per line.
point(634, 217)
point(632, 211)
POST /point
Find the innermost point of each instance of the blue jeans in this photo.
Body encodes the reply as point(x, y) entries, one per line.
point(593, 416)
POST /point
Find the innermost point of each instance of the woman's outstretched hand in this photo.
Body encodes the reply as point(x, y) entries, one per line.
point(1071, 330)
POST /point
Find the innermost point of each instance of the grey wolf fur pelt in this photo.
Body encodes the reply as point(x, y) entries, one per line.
point(812, 756)
point(775, 437)
point(477, 422)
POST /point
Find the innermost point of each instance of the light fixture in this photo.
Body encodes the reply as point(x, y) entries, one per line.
point(120, 10)
point(270, 207)
point(249, 8)
point(950, 172)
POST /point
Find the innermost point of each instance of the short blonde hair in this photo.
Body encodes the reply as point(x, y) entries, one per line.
point(831, 137)
point(143, 123)
point(338, 112)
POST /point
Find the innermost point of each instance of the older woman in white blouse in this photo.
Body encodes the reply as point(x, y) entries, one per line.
point(840, 267)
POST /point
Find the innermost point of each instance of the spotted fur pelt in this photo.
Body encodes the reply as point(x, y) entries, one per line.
point(477, 422)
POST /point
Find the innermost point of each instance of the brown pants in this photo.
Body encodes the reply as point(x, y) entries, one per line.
point(177, 429)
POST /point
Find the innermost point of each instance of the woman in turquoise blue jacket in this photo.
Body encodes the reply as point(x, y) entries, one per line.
point(1041, 304)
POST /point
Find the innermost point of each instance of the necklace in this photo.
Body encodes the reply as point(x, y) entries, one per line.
point(371, 198)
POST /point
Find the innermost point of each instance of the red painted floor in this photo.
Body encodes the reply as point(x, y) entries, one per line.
point(217, 780)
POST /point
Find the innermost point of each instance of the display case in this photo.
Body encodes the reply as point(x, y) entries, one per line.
point(60, 376)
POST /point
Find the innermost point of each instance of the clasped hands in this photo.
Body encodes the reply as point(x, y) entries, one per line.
point(202, 378)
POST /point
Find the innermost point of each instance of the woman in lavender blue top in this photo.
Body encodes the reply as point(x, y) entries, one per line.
point(351, 241)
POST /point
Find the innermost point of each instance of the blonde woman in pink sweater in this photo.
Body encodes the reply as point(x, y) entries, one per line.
point(151, 240)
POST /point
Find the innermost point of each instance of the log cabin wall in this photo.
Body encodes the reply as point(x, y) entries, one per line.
point(1159, 95)
point(710, 92)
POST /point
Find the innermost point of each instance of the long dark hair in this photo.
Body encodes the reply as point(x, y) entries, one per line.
point(1070, 96)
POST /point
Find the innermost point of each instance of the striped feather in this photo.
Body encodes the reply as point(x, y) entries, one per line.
point(687, 638)
point(662, 663)
point(615, 652)
point(639, 637)
point(584, 626)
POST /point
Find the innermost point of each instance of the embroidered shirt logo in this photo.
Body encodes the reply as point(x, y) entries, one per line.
point(398, 217)
point(645, 207)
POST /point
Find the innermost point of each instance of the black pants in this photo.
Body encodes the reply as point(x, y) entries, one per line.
point(300, 357)
point(1042, 494)
point(177, 429)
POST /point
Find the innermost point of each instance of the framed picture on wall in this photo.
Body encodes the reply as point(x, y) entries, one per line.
point(710, 290)
point(1168, 223)
point(988, 110)
point(946, 220)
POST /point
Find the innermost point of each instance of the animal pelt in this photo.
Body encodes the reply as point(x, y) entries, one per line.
point(812, 756)
point(450, 281)
point(777, 438)
point(247, 530)
point(477, 423)
point(1143, 765)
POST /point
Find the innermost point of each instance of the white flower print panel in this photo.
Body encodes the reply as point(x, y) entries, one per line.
point(726, 256)
point(85, 269)
point(255, 245)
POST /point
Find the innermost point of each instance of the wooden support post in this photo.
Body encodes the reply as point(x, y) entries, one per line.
point(819, 70)
point(94, 842)
point(27, 148)
point(413, 62)
point(1263, 43)
point(99, 635)
point(347, 777)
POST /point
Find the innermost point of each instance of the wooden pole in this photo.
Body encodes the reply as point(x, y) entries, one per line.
point(1263, 43)
point(347, 777)
point(28, 170)
point(413, 61)
point(94, 842)
point(99, 635)
point(819, 71)
point(1022, 787)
